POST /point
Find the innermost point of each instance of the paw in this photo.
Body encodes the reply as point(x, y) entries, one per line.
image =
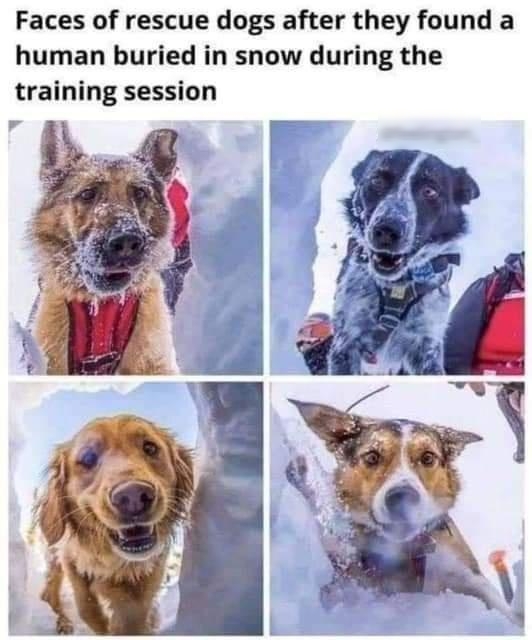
point(63, 626)
point(367, 348)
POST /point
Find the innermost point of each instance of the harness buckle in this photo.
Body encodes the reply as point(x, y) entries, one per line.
point(398, 292)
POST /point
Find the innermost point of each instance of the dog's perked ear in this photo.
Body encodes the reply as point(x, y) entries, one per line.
point(58, 150)
point(158, 149)
point(51, 508)
point(454, 441)
point(360, 168)
point(465, 188)
point(332, 426)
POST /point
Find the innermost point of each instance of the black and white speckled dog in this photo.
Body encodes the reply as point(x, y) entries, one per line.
point(392, 296)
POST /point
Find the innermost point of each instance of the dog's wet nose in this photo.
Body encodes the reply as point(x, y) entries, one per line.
point(399, 501)
point(124, 246)
point(131, 499)
point(386, 235)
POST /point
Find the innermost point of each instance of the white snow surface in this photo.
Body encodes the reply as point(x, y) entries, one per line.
point(489, 513)
point(221, 163)
point(492, 152)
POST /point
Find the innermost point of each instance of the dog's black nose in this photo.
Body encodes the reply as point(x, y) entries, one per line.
point(400, 500)
point(386, 235)
point(124, 246)
point(132, 499)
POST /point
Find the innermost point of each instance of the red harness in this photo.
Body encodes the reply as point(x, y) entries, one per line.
point(99, 334)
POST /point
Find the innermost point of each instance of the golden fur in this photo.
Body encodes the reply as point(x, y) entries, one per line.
point(68, 228)
point(79, 521)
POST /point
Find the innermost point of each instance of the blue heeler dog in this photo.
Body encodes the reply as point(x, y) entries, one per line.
point(392, 297)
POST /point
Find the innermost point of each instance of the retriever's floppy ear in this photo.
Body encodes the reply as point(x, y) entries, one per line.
point(183, 464)
point(158, 150)
point(454, 441)
point(58, 150)
point(465, 188)
point(334, 427)
point(51, 507)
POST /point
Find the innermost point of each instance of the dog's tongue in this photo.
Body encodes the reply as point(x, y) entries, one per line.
point(138, 532)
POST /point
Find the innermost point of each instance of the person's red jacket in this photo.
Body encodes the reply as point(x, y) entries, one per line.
point(177, 197)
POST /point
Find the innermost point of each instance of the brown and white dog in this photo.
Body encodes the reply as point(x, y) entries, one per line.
point(114, 495)
point(395, 482)
point(100, 236)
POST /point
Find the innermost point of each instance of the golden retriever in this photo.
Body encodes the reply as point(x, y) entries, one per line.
point(114, 495)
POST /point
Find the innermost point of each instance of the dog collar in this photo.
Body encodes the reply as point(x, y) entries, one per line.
point(99, 334)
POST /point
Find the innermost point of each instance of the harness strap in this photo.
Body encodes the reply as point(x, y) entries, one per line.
point(99, 334)
point(396, 299)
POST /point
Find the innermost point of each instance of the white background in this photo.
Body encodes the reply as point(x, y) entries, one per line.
point(486, 76)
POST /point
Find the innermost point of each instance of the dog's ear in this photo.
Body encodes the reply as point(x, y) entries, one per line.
point(51, 508)
point(183, 464)
point(454, 441)
point(332, 426)
point(359, 169)
point(465, 188)
point(158, 149)
point(58, 150)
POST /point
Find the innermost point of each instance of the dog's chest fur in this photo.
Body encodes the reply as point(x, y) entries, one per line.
point(413, 345)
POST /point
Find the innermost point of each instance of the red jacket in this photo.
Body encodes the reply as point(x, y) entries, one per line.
point(177, 197)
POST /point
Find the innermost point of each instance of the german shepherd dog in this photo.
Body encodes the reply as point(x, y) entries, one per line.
point(392, 299)
point(102, 232)
point(395, 482)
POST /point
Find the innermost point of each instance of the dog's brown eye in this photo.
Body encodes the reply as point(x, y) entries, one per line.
point(150, 448)
point(88, 459)
point(88, 195)
point(372, 458)
point(428, 459)
point(378, 182)
point(139, 194)
point(429, 193)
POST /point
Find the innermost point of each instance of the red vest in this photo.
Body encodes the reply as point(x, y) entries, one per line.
point(501, 348)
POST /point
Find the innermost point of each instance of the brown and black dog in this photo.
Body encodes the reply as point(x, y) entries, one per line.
point(102, 231)
point(394, 484)
point(114, 495)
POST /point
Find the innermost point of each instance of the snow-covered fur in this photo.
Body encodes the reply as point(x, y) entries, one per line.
point(103, 228)
point(405, 210)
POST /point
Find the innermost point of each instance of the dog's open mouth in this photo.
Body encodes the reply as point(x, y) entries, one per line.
point(387, 263)
point(109, 281)
point(135, 539)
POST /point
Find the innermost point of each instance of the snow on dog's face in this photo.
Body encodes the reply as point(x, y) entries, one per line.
point(406, 209)
point(393, 476)
point(119, 486)
point(104, 222)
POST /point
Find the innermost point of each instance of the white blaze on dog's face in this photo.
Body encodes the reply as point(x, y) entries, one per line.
point(393, 476)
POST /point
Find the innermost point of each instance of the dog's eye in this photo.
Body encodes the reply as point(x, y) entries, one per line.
point(88, 195)
point(429, 193)
point(378, 182)
point(88, 459)
point(372, 458)
point(428, 459)
point(140, 194)
point(150, 448)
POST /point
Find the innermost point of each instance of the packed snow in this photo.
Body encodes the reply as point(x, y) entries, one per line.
point(311, 173)
point(489, 513)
